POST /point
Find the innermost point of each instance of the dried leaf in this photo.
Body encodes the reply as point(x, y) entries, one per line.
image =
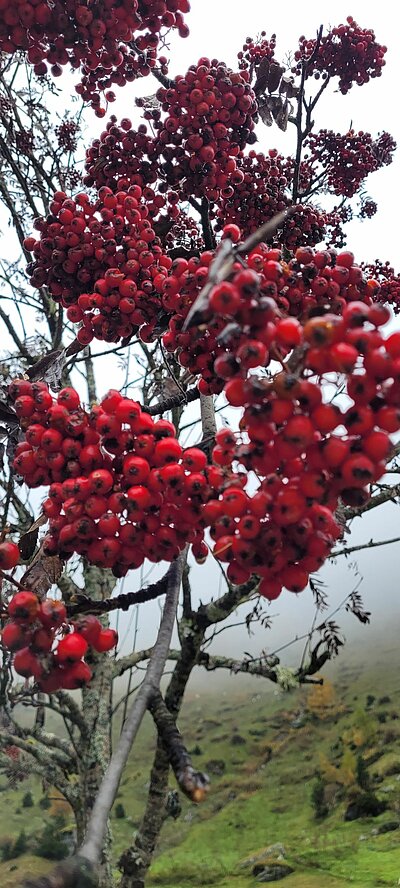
point(74, 348)
point(228, 333)
point(12, 442)
point(287, 87)
point(275, 75)
point(150, 103)
point(261, 83)
point(8, 416)
point(282, 116)
point(163, 225)
point(39, 369)
point(44, 571)
point(181, 253)
point(161, 325)
point(219, 268)
point(28, 541)
point(265, 114)
point(355, 606)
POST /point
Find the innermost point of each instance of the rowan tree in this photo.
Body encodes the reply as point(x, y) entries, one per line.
point(215, 271)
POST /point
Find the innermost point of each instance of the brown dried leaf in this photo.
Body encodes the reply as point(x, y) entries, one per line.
point(288, 88)
point(28, 541)
point(74, 348)
point(275, 75)
point(38, 371)
point(219, 269)
point(163, 225)
point(44, 571)
point(262, 77)
point(265, 114)
point(282, 116)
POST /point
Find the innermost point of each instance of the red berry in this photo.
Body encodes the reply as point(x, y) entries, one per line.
point(52, 613)
point(9, 555)
point(76, 676)
point(89, 627)
point(71, 648)
point(106, 640)
point(14, 636)
point(24, 606)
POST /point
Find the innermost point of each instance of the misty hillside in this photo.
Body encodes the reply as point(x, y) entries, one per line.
point(305, 787)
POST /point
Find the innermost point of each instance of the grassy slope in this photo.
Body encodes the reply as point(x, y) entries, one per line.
point(258, 800)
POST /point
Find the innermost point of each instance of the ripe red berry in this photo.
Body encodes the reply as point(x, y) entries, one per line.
point(9, 555)
point(14, 636)
point(26, 664)
point(71, 648)
point(106, 640)
point(75, 676)
point(52, 613)
point(89, 627)
point(24, 607)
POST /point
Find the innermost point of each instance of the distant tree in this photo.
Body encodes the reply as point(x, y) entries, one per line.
point(318, 799)
point(362, 775)
point(120, 811)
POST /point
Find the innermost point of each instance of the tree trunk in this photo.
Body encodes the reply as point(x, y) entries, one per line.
point(96, 748)
point(134, 863)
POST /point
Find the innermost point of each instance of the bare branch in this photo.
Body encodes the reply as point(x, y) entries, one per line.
point(123, 602)
point(93, 843)
point(347, 550)
point(194, 784)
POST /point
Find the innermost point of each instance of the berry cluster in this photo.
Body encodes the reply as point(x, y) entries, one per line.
point(121, 157)
point(264, 191)
point(102, 261)
point(47, 647)
point(348, 159)
point(260, 192)
point(305, 450)
point(368, 209)
point(67, 135)
point(256, 50)
point(310, 282)
point(121, 487)
point(111, 42)
point(211, 112)
point(387, 280)
point(348, 52)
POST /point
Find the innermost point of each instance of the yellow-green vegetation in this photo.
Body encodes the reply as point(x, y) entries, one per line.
point(263, 752)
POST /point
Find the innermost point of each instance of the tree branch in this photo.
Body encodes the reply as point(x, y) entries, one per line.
point(91, 849)
point(389, 495)
point(194, 784)
point(123, 601)
point(160, 407)
point(347, 550)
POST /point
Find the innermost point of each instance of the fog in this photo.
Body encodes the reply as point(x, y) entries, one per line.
point(374, 572)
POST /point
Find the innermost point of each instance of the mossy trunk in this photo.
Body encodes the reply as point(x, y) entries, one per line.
point(136, 860)
point(96, 706)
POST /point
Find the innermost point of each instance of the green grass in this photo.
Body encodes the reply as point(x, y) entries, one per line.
point(259, 800)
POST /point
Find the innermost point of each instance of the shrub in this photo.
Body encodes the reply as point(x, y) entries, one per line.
point(51, 844)
point(318, 799)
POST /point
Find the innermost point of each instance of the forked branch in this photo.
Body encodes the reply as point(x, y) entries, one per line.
point(81, 871)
